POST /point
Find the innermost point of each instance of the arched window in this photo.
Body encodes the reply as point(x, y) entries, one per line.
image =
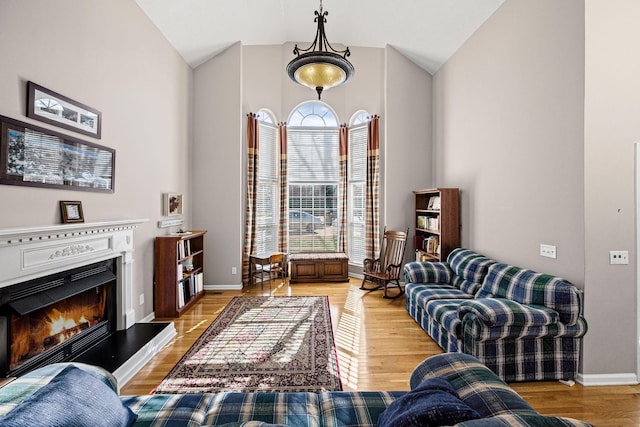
point(356, 183)
point(313, 175)
point(267, 196)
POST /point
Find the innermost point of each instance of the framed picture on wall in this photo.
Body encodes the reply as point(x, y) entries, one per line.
point(38, 157)
point(172, 204)
point(51, 107)
point(71, 211)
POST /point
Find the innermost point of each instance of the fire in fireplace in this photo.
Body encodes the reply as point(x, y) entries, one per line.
point(55, 318)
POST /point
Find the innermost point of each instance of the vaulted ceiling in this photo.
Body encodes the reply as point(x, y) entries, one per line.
point(426, 31)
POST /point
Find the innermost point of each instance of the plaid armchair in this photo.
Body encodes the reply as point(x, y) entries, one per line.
point(522, 324)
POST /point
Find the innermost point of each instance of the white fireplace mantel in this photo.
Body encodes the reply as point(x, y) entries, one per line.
point(27, 253)
point(31, 252)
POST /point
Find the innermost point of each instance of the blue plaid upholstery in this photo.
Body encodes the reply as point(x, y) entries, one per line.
point(501, 311)
point(529, 287)
point(469, 268)
point(476, 385)
point(524, 325)
point(485, 392)
point(427, 272)
point(354, 409)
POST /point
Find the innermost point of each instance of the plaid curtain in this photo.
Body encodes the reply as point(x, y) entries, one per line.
point(342, 188)
point(252, 185)
point(283, 236)
point(371, 207)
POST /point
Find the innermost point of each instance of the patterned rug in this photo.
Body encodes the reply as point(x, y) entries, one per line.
point(264, 344)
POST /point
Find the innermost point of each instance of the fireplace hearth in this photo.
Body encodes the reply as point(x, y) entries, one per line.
point(66, 295)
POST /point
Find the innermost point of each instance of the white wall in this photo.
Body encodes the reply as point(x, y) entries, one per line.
point(217, 165)
point(109, 56)
point(612, 126)
point(407, 153)
point(509, 133)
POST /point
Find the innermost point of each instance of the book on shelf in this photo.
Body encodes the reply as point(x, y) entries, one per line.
point(199, 278)
point(433, 224)
point(180, 295)
point(184, 248)
point(422, 221)
point(432, 245)
point(434, 203)
point(418, 241)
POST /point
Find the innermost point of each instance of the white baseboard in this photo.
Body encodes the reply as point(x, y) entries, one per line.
point(149, 318)
point(607, 379)
point(132, 366)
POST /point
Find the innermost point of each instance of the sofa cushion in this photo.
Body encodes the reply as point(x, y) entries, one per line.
point(499, 311)
point(73, 398)
point(292, 409)
point(422, 294)
point(169, 409)
point(433, 403)
point(354, 409)
point(469, 269)
point(528, 287)
point(427, 272)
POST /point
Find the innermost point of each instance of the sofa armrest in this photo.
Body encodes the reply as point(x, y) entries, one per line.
point(477, 385)
point(427, 272)
point(504, 312)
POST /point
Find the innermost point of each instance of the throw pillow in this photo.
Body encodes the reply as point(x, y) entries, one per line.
point(433, 403)
point(74, 398)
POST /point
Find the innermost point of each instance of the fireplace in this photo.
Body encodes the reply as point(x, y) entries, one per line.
point(56, 318)
point(66, 294)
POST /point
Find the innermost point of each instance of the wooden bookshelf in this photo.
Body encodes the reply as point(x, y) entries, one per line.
point(437, 223)
point(178, 272)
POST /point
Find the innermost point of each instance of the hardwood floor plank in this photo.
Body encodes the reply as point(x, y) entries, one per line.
point(378, 346)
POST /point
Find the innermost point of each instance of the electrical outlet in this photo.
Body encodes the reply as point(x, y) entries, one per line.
point(141, 299)
point(548, 251)
point(618, 257)
point(234, 270)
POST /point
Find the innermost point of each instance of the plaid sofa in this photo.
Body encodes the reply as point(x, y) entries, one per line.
point(475, 384)
point(523, 325)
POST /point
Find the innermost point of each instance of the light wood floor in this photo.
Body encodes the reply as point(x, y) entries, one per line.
point(378, 346)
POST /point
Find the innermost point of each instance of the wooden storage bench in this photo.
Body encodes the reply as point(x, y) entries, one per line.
point(319, 267)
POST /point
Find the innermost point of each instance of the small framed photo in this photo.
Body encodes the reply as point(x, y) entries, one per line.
point(50, 107)
point(172, 204)
point(71, 211)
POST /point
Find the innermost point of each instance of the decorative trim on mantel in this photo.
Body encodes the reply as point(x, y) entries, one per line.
point(10, 236)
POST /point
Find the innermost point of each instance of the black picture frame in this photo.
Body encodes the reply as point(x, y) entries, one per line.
point(50, 107)
point(37, 157)
point(71, 211)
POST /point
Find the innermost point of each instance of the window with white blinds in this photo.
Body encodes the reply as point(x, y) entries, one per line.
point(313, 169)
point(357, 170)
point(267, 198)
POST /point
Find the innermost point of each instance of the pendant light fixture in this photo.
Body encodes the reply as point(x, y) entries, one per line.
point(322, 68)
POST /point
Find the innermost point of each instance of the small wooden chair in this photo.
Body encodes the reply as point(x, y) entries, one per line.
point(385, 270)
point(276, 266)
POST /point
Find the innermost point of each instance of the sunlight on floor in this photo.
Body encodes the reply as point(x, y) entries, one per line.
point(348, 338)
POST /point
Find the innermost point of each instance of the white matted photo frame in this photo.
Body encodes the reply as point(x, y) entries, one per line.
point(50, 107)
point(71, 211)
point(172, 204)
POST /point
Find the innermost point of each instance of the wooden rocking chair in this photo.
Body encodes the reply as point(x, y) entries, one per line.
point(386, 270)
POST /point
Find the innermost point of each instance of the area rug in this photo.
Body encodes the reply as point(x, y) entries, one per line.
point(261, 344)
